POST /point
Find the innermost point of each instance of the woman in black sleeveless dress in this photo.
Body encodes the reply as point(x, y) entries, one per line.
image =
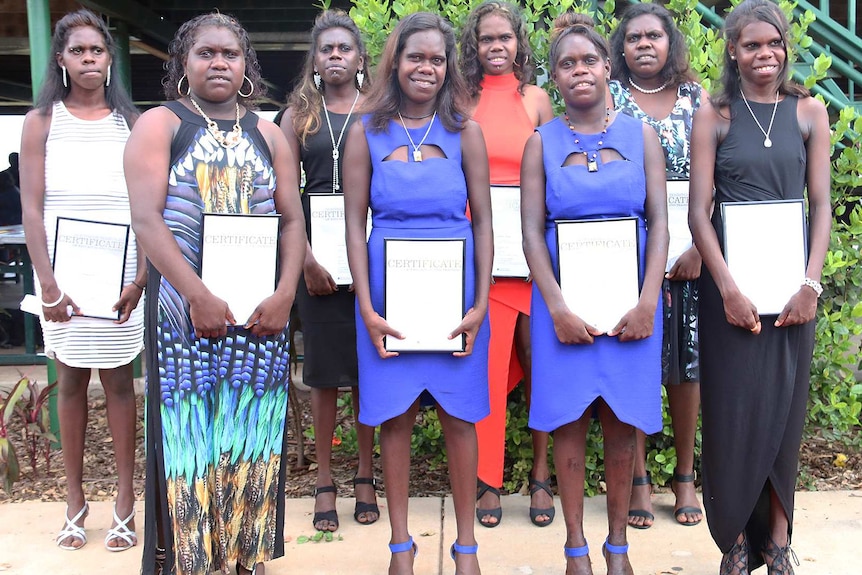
point(320, 111)
point(761, 138)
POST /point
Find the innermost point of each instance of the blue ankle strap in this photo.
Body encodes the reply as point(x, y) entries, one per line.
point(405, 546)
point(463, 549)
point(577, 551)
point(616, 549)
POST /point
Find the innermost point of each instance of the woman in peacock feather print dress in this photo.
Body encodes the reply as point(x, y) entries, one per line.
point(217, 385)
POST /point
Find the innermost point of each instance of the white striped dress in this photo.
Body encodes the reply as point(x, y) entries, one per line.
point(84, 179)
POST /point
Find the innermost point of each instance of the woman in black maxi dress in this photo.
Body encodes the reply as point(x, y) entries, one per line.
point(755, 369)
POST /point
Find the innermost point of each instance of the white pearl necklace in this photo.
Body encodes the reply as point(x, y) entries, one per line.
point(648, 91)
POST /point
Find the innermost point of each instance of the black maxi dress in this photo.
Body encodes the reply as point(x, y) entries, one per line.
point(754, 388)
point(328, 322)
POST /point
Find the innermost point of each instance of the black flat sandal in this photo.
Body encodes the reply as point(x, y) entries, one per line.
point(496, 512)
point(362, 506)
point(331, 516)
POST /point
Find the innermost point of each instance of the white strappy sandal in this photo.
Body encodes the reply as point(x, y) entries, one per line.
point(121, 531)
point(72, 529)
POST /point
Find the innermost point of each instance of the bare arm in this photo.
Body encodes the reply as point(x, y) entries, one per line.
point(272, 314)
point(474, 162)
point(318, 281)
point(146, 161)
point(32, 171)
point(569, 328)
point(541, 103)
point(708, 130)
point(814, 122)
point(357, 191)
point(638, 323)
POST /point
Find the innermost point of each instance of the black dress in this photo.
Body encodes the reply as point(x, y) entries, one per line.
point(328, 322)
point(754, 388)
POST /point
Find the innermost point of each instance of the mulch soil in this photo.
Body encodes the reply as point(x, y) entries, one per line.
point(824, 465)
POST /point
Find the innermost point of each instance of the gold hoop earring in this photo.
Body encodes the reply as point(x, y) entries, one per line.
point(251, 89)
point(179, 86)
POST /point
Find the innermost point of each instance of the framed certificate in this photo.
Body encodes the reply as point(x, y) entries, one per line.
point(677, 220)
point(765, 247)
point(509, 259)
point(328, 235)
point(239, 259)
point(599, 268)
point(424, 293)
point(90, 263)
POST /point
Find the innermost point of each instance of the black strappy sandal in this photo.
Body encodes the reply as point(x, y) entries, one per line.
point(535, 486)
point(331, 516)
point(686, 510)
point(362, 506)
point(640, 482)
point(496, 512)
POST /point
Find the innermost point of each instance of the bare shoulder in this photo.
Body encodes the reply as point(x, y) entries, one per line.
point(37, 120)
point(534, 92)
point(811, 109)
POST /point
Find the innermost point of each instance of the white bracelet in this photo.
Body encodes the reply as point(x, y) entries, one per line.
point(55, 303)
point(813, 284)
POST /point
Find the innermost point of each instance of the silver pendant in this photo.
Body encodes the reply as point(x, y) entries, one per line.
point(592, 165)
point(417, 155)
point(335, 154)
point(767, 143)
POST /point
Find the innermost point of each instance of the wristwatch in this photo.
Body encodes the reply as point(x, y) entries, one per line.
point(813, 284)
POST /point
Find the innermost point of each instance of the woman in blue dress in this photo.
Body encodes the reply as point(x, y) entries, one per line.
point(420, 190)
point(592, 163)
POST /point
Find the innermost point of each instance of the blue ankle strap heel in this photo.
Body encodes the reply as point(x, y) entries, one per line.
point(577, 551)
point(463, 549)
point(616, 549)
point(405, 546)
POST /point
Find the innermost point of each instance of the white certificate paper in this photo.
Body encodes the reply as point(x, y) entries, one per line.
point(765, 247)
point(424, 293)
point(509, 259)
point(328, 235)
point(90, 262)
point(677, 221)
point(239, 259)
point(598, 267)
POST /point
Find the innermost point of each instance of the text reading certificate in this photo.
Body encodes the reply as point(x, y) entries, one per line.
point(239, 259)
point(328, 235)
point(599, 269)
point(424, 293)
point(765, 250)
point(90, 263)
point(509, 259)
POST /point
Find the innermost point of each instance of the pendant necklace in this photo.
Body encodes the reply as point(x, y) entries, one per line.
point(417, 153)
point(592, 157)
point(648, 91)
point(767, 142)
point(336, 185)
point(226, 140)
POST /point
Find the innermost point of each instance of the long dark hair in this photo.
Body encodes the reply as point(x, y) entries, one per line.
point(305, 102)
point(676, 69)
point(744, 14)
point(183, 41)
point(575, 23)
point(385, 99)
point(53, 89)
point(525, 70)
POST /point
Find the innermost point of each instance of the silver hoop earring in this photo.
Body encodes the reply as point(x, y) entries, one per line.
point(360, 78)
point(65, 78)
point(108, 78)
point(251, 89)
point(179, 86)
point(316, 78)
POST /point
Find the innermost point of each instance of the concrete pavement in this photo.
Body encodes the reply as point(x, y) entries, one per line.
point(828, 531)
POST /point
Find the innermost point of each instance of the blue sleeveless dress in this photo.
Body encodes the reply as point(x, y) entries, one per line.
point(567, 379)
point(424, 199)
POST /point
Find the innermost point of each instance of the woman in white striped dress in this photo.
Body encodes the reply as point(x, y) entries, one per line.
point(72, 166)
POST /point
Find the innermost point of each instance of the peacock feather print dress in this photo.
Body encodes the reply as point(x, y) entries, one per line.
point(216, 408)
